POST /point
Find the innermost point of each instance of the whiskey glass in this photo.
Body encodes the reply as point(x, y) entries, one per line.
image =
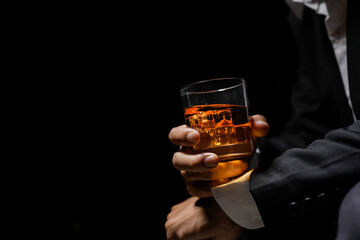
point(218, 110)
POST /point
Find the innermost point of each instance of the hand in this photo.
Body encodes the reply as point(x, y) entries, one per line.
point(203, 171)
point(200, 219)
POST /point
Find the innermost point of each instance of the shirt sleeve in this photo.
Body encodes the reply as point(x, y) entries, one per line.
point(237, 202)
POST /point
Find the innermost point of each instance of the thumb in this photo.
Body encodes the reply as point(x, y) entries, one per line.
point(259, 126)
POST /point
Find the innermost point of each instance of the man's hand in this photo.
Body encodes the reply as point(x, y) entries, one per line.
point(200, 219)
point(203, 171)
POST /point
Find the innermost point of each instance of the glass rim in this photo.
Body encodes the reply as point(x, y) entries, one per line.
point(242, 81)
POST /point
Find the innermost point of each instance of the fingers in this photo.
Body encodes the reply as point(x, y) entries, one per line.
point(195, 163)
point(200, 183)
point(259, 125)
point(184, 136)
point(223, 170)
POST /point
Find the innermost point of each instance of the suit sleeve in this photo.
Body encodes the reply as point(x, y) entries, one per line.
point(307, 183)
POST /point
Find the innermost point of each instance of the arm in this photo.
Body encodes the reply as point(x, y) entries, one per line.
point(326, 166)
point(320, 173)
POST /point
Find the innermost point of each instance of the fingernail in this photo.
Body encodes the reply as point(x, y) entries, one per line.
point(191, 137)
point(211, 161)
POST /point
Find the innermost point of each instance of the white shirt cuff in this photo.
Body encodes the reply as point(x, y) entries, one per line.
point(237, 202)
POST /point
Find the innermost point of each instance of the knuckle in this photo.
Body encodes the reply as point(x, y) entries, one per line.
point(167, 225)
point(175, 159)
point(173, 208)
point(175, 135)
point(171, 133)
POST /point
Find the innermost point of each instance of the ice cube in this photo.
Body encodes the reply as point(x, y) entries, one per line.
point(202, 120)
point(223, 118)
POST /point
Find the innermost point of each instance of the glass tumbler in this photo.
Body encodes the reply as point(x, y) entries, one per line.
point(218, 110)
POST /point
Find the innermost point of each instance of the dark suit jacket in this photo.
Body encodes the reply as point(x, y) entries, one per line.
point(307, 170)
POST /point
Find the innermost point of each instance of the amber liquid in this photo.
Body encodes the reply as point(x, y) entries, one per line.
point(224, 130)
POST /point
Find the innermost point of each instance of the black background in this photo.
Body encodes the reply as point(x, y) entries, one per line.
point(117, 74)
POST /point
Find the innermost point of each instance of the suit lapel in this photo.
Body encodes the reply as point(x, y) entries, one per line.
point(353, 53)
